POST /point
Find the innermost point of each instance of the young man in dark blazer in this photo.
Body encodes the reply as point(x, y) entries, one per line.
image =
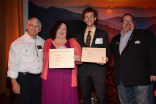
point(134, 52)
point(95, 72)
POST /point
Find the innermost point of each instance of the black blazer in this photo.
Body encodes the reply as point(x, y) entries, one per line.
point(98, 34)
point(137, 61)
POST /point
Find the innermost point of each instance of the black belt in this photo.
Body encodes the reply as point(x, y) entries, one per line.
point(29, 74)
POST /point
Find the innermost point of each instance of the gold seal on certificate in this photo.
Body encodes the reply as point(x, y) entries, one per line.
point(61, 58)
point(93, 55)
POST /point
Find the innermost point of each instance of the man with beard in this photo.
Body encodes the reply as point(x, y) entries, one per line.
point(134, 52)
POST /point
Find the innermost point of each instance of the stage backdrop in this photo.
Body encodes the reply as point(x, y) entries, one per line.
point(109, 19)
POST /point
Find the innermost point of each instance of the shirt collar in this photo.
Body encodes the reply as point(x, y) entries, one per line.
point(29, 37)
point(128, 33)
point(92, 30)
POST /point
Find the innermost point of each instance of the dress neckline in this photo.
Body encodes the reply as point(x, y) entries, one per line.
point(61, 46)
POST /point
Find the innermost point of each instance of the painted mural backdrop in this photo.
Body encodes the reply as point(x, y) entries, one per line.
point(109, 19)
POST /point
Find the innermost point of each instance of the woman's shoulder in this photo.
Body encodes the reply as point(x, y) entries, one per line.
point(74, 43)
point(47, 43)
point(48, 40)
point(72, 40)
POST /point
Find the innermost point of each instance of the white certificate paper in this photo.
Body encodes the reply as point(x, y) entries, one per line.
point(61, 58)
point(93, 55)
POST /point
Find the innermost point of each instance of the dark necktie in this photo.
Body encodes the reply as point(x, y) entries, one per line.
point(88, 39)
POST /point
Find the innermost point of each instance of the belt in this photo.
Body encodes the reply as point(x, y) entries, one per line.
point(29, 74)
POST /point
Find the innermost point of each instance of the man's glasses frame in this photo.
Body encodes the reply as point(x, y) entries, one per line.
point(126, 21)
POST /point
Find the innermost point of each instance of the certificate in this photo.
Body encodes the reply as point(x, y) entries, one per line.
point(61, 58)
point(93, 55)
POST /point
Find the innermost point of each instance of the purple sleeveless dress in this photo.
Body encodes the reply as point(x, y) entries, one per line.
point(57, 88)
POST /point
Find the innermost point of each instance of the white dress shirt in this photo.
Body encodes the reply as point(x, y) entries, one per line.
point(24, 56)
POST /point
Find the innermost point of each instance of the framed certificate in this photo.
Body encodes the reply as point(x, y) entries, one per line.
point(61, 58)
point(93, 55)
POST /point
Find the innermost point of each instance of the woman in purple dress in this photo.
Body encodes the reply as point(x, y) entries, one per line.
point(59, 86)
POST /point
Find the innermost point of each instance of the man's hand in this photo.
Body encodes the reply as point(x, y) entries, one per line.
point(153, 78)
point(15, 86)
point(101, 63)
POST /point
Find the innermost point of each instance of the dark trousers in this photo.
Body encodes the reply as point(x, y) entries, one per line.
point(99, 81)
point(30, 89)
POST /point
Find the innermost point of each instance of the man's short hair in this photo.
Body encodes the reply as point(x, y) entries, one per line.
point(127, 15)
point(89, 9)
point(37, 20)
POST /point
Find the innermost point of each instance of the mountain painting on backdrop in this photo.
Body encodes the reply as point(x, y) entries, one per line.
point(109, 19)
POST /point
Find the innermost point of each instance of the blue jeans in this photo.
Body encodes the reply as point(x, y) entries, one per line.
point(136, 94)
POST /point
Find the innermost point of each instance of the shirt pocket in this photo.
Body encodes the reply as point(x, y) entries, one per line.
point(29, 54)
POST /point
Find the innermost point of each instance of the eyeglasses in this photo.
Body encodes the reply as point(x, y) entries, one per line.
point(126, 21)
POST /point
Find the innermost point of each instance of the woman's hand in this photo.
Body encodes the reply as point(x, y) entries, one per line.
point(77, 58)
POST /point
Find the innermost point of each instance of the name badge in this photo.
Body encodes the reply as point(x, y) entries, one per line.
point(99, 41)
point(39, 47)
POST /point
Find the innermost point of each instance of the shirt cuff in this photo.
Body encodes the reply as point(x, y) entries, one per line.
point(12, 74)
